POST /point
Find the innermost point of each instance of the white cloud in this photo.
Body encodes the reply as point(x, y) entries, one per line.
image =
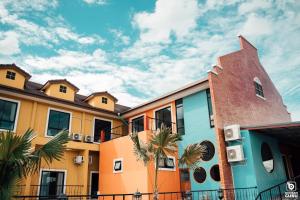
point(253, 5)
point(256, 25)
point(176, 16)
point(9, 43)
point(99, 2)
point(120, 37)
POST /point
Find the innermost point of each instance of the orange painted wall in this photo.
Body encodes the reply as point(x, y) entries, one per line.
point(135, 175)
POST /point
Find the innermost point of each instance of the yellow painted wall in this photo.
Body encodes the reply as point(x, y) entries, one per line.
point(34, 115)
point(53, 90)
point(96, 101)
point(17, 83)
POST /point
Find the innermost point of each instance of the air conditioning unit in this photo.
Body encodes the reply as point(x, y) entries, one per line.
point(235, 153)
point(76, 137)
point(88, 139)
point(78, 160)
point(232, 132)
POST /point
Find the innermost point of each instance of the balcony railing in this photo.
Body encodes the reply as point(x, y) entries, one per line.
point(49, 190)
point(151, 124)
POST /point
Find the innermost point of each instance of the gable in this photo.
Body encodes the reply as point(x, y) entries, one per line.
point(12, 78)
point(54, 90)
point(97, 101)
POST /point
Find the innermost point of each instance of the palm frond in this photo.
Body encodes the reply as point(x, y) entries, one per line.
point(192, 155)
point(140, 149)
point(53, 150)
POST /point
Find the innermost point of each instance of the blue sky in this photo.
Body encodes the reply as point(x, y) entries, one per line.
point(138, 49)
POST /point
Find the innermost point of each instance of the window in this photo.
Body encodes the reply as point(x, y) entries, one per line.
point(215, 173)
point(210, 110)
point(8, 112)
point(138, 124)
point(167, 163)
point(179, 117)
point(52, 183)
point(267, 157)
point(62, 89)
point(11, 75)
point(57, 121)
point(209, 150)
point(118, 165)
point(199, 174)
point(163, 116)
point(258, 87)
point(104, 100)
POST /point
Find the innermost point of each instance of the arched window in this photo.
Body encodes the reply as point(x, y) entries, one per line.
point(258, 87)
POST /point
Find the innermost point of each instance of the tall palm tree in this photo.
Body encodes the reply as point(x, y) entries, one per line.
point(162, 143)
point(18, 159)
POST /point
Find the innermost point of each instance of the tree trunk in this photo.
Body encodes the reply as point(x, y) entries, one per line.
point(155, 190)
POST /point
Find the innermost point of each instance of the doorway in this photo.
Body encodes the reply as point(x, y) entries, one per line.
point(94, 183)
point(52, 183)
point(99, 126)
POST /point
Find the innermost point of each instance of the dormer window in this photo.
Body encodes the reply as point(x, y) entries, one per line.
point(11, 75)
point(104, 100)
point(62, 89)
point(258, 88)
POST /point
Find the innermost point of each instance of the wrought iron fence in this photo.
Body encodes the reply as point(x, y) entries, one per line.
point(229, 194)
point(279, 191)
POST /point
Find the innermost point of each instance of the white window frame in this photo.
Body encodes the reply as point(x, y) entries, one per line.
point(52, 170)
point(47, 121)
point(94, 122)
point(90, 182)
point(17, 113)
point(122, 165)
point(160, 108)
point(257, 80)
point(137, 116)
point(168, 169)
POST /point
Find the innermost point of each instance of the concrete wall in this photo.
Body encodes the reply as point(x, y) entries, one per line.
point(252, 173)
point(197, 129)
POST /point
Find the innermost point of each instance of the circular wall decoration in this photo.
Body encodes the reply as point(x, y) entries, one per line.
point(199, 174)
point(209, 150)
point(267, 157)
point(215, 173)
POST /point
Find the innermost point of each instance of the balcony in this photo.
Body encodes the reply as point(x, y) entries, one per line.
point(149, 124)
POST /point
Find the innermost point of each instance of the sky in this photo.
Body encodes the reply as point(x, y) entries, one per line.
point(139, 49)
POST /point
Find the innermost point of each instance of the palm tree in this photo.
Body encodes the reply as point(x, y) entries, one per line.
point(162, 143)
point(18, 159)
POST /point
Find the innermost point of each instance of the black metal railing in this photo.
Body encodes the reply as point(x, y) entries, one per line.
point(129, 127)
point(280, 190)
point(49, 190)
point(230, 194)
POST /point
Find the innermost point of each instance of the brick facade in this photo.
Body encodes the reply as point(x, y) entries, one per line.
point(235, 101)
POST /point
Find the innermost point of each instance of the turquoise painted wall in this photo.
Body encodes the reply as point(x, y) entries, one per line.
point(197, 129)
point(264, 179)
point(252, 172)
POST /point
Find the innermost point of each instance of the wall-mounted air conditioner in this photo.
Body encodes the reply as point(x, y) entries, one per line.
point(88, 139)
point(78, 160)
point(76, 137)
point(235, 153)
point(232, 132)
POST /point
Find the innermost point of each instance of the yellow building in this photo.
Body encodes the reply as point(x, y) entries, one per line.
point(49, 108)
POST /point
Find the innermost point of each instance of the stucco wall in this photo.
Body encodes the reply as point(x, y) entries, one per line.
point(197, 129)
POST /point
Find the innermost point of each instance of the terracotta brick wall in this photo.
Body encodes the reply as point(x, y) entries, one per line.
point(234, 99)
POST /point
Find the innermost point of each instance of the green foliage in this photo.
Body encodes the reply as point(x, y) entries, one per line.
point(162, 143)
point(19, 159)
